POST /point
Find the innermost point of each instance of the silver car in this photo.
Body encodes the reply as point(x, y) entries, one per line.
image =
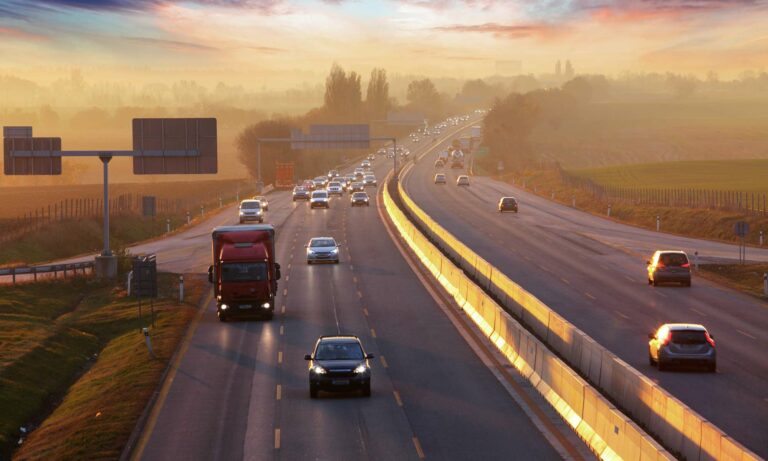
point(322, 249)
point(369, 180)
point(250, 210)
point(462, 180)
point(319, 199)
point(680, 344)
point(264, 202)
point(334, 188)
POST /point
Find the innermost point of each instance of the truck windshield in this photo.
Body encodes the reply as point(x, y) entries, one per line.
point(243, 272)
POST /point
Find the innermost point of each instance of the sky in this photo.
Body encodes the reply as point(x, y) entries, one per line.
point(285, 42)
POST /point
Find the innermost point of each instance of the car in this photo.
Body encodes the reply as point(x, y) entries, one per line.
point(339, 363)
point(371, 157)
point(318, 184)
point(669, 266)
point(300, 193)
point(439, 163)
point(369, 180)
point(382, 151)
point(334, 188)
point(462, 180)
point(333, 174)
point(319, 199)
point(365, 164)
point(250, 210)
point(507, 204)
point(682, 344)
point(308, 184)
point(359, 198)
point(357, 187)
point(322, 249)
point(264, 202)
point(439, 178)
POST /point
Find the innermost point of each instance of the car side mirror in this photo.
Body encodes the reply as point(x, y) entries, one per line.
point(307, 357)
point(368, 356)
point(651, 335)
point(210, 274)
point(278, 274)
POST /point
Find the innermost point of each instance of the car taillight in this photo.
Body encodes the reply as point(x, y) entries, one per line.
point(659, 264)
point(668, 339)
point(710, 340)
point(686, 265)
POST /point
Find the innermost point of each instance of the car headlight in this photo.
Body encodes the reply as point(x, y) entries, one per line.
point(335, 251)
point(224, 307)
point(318, 370)
point(310, 252)
point(242, 212)
point(265, 305)
point(362, 368)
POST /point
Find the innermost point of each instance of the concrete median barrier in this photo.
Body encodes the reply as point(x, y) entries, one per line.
point(681, 430)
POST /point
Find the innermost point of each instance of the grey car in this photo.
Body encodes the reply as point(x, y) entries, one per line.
point(682, 344)
point(339, 363)
point(322, 249)
point(669, 266)
point(319, 199)
point(250, 210)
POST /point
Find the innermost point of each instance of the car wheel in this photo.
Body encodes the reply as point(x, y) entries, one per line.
point(222, 317)
point(712, 367)
point(309, 262)
point(367, 389)
point(650, 282)
point(313, 391)
point(336, 262)
point(651, 362)
point(654, 283)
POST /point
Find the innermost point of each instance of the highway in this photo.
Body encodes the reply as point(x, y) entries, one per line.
point(239, 390)
point(592, 271)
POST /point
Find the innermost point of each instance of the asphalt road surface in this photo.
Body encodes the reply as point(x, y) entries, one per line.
point(592, 271)
point(241, 392)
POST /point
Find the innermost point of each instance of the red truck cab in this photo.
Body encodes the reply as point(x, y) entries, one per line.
point(244, 273)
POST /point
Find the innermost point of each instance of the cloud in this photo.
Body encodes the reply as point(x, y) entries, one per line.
point(517, 31)
point(19, 34)
point(145, 5)
point(175, 45)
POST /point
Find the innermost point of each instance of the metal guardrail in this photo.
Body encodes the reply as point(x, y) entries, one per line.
point(55, 269)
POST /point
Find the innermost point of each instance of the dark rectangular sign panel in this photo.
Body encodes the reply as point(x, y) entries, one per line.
point(33, 156)
point(332, 137)
point(174, 146)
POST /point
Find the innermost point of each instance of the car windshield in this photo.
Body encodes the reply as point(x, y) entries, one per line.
point(322, 243)
point(319, 194)
point(509, 201)
point(243, 272)
point(359, 195)
point(673, 259)
point(339, 351)
point(689, 337)
point(334, 184)
point(250, 206)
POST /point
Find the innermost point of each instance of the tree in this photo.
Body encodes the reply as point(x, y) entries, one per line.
point(343, 95)
point(508, 125)
point(247, 146)
point(569, 72)
point(558, 69)
point(423, 96)
point(377, 95)
point(683, 86)
point(579, 88)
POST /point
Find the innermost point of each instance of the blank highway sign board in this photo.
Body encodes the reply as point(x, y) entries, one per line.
point(174, 146)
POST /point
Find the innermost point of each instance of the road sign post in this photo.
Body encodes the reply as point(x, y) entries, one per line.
point(160, 146)
point(741, 229)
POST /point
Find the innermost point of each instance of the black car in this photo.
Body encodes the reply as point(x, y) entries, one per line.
point(339, 363)
point(359, 198)
point(300, 193)
point(507, 204)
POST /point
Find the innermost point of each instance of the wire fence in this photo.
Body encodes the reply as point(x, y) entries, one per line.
point(747, 203)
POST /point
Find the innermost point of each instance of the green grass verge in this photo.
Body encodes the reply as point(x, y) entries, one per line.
point(744, 277)
point(76, 369)
point(730, 175)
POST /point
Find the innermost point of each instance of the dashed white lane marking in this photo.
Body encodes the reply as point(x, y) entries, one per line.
point(289, 266)
point(354, 279)
point(526, 258)
point(629, 278)
point(746, 334)
point(279, 392)
point(383, 361)
point(621, 314)
point(351, 267)
point(277, 438)
point(287, 278)
point(661, 294)
point(699, 312)
point(544, 268)
point(359, 294)
point(285, 291)
point(365, 311)
point(398, 399)
point(280, 357)
point(589, 295)
point(282, 309)
point(373, 332)
point(565, 281)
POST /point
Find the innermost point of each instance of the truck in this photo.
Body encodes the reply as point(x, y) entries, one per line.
point(284, 175)
point(244, 273)
point(457, 159)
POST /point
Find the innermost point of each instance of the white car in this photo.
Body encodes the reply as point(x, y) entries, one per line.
point(250, 210)
point(462, 180)
point(334, 188)
point(369, 180)
point(319, 199)
point(439, 178)
point(322, 249)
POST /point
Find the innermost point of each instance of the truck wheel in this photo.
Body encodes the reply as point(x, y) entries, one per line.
point(312, 391)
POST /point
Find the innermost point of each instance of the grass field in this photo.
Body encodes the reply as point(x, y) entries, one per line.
point(731, 175)
point(745, 277)
point(74, 368)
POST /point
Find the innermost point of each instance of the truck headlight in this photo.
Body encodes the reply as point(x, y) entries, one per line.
point(361, 369)
point(318, 370)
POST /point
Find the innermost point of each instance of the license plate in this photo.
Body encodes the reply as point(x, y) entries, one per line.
point(340, 382)
point(245, 306)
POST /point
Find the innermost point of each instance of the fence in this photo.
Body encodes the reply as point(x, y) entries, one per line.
point(128, 204)
point(748, 203)
point(27, 273)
